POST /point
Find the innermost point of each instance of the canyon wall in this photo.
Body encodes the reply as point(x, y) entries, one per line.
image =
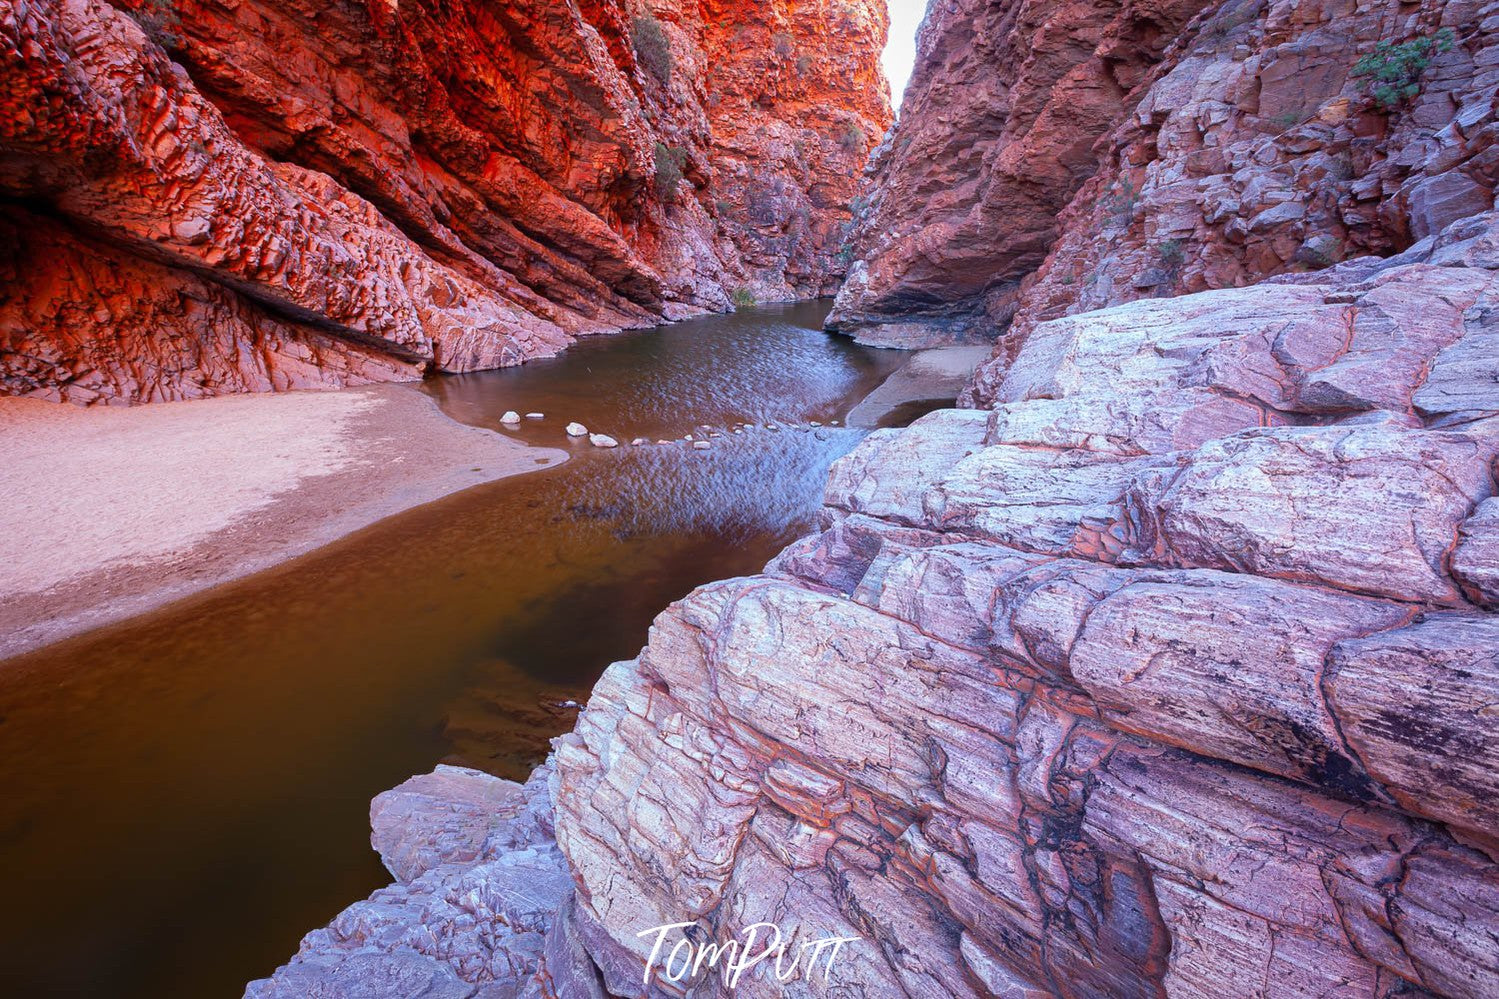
point(204, 197)
point(995, 137)
point(1180, 154)
point(1171, 674)
point(1170, 670)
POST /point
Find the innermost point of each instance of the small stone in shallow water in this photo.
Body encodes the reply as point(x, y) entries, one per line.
point(815, 423)
point(536, 416)
point(511, 416)
point(771, 426)
point(687, 438)
point(637, 442)
point(663, 442)
point(700, 445)
point(832, 423)
point(602, 440)
point(576, 430)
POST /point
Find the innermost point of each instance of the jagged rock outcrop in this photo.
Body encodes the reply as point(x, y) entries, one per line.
point(1172, 670)
point(1262, 150)
point(479, 883)
point(995, 137)
point(1173, 673)
point(1247, 145)
point(208, 197)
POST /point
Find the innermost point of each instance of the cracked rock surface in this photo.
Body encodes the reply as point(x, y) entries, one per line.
point(1085, 695)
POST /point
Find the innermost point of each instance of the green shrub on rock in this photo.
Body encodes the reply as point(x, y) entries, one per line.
point(1394, 71)
point(669, 163)
point(652, 48)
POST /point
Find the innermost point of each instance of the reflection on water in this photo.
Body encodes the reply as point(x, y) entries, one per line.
point(903, 414)
point(186, 793)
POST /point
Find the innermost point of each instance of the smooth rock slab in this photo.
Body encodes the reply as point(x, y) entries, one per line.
point(1052, 501)
point(440, 818)
point(1420, 707)
point(1371, 509)
point(1475, 560)
point(888, 474)
point(1158, 657)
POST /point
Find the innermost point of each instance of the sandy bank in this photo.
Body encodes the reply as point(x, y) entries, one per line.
point(106, 513)
point(938, 373)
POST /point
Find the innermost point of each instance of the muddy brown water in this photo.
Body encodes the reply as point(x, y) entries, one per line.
point(186, 793)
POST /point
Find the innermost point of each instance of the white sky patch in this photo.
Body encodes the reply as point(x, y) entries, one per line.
point(900, 50)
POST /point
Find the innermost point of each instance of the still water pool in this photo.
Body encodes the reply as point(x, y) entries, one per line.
point(184, 794)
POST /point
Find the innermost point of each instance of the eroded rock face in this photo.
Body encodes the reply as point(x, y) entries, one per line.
point(1234, 142)
point(213, 198)
point(1160, 675)
point(996, 135)
point(1256, 149)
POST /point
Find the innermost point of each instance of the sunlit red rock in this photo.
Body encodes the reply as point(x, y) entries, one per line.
point(434, 186)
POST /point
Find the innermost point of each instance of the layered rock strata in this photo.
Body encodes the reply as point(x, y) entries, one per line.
point(204, 198)
point(1175, 669)
point(1248, 144)
point(1173, 673)
point(1170, 671)
point(995, 137)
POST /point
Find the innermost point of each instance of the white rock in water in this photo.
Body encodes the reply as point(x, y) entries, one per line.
point(602, 440)
point(832, 423)
point(536, 416)
point(663, 442)
point(700, 445)
point(576, 430)
point(687, 438)
point(511, 416)
point(771, 426)
point(637, 442)
point(816, 424)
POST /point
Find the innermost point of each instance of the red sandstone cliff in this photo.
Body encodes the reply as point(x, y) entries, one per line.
point(210, 197)
point(1258, 149)
point(996, 135)
point(1170, 672)
point(1155, 149)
